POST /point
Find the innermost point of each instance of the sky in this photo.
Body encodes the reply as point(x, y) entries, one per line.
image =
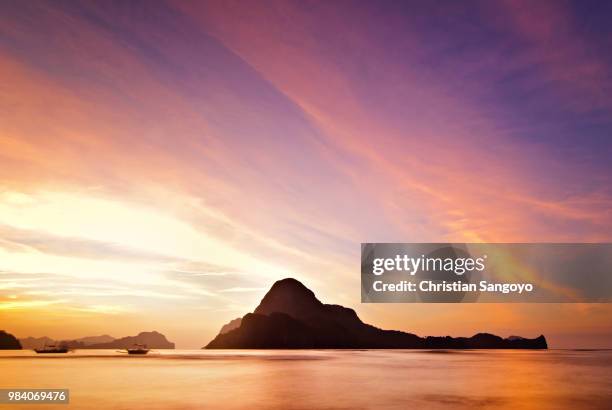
point(163, 163)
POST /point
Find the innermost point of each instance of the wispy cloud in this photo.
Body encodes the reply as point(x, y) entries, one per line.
point(240, 290)
point(25, 304)
point(43, 242)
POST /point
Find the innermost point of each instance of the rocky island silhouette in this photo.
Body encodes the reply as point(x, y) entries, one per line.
point(8, 341)
point(152, 339)
point(291, 317)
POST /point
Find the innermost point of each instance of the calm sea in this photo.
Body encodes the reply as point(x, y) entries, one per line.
point(317, 379)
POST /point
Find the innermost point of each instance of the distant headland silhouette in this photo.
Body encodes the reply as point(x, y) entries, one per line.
point(153, 340)
point(291, 317)
point(8, 341)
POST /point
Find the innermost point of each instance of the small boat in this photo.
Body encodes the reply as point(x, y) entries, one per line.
point(52, 349)
point(138, 349)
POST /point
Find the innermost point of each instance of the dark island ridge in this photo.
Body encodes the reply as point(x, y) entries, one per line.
point(291, 317)
point(8, 341)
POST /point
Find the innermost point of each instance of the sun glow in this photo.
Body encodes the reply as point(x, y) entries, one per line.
point(142, 233)
point(83, 254)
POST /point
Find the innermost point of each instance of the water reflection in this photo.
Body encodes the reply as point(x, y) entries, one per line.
point(319, 379)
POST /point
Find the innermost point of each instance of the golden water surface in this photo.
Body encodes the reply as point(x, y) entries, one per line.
point(316, 379)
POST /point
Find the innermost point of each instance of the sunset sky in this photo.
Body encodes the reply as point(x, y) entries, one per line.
point(162, 164)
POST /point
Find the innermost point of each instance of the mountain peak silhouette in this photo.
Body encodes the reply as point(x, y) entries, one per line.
point(291, 317)
point(289, 296)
